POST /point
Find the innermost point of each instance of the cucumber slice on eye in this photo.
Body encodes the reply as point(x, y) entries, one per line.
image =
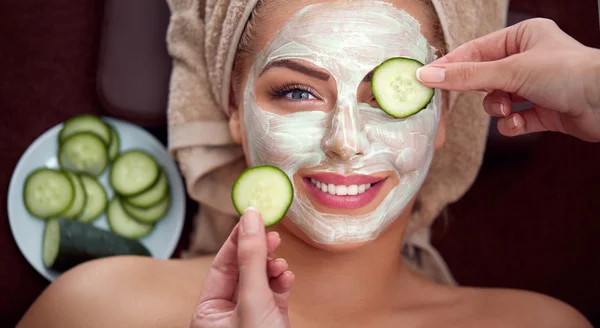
point(397, 90)
point(266, 188)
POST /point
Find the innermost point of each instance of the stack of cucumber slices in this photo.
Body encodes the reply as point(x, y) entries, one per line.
point(71, 198)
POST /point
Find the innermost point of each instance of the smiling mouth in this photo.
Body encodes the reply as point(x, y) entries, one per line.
point(343, 192)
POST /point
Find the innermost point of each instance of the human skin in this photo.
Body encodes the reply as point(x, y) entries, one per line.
point(359, 285)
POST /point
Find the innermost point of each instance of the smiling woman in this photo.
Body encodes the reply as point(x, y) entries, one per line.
point(300, 98)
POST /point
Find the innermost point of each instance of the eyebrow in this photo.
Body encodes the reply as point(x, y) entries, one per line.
point(295, 66)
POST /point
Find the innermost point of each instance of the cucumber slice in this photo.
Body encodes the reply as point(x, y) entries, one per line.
point(133, 172)
point(85, 123)
point(96, 199)
point(152, 196)
point(47, 193)
point(115, 144)
point(68, 243)
point(150, 214)
point(80, 199)
point(397, 90)
point(83, 153)
point(123, 224)
point(266, 188)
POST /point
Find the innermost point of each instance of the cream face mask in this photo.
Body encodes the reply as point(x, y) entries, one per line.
point(337, 159)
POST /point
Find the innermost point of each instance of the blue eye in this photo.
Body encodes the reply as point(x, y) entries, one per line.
point(300, 95)
point(293, 92)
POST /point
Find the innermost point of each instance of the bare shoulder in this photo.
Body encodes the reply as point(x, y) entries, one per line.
point(518, 308)
point(121, 292)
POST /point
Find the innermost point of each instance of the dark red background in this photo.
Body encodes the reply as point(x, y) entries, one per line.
point(530, 223)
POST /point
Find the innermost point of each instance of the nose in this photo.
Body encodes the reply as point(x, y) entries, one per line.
point(346, 137)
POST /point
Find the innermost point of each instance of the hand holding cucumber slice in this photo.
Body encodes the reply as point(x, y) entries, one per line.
point(266, 188)
point(397, 90)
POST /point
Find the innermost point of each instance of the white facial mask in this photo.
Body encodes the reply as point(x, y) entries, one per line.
point(348, 40)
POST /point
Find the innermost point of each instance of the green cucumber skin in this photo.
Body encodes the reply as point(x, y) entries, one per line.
point(139, 192)
point(68, 212)
point(115, 204)
point(28, 207)
point(377, 96)
point(131, 210)
point(80, 242)
point(241, 210)
point(115, 143)
point(141, 201)
point(92, 217)
point(73, 120)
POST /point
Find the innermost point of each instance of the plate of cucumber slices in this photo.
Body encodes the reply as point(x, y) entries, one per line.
point(94, 187)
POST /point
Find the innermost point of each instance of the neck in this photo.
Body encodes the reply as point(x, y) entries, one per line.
point(335, 283)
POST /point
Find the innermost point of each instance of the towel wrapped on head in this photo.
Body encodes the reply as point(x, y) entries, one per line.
point(203, 38)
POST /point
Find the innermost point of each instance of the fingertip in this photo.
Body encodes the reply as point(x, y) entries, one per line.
point(511, 125)
point(273, 241)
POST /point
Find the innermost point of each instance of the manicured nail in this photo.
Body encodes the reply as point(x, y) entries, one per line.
point(250, 221)
point(498, 109)
point(431, 74)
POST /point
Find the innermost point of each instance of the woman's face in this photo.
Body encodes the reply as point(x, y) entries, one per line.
point(307, 108)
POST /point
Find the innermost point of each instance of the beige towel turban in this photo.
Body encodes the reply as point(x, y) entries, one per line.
point(202, 39)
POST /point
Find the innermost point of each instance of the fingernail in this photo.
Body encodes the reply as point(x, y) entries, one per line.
point(512, 123)
point(431, 74)
point(498, 109)
point(250, 221)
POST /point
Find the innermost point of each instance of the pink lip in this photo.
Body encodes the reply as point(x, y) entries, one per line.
point(343, 202)
point(337, 179)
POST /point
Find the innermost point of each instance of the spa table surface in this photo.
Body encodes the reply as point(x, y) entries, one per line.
point(532, 223)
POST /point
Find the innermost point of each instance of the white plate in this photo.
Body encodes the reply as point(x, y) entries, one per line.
point(27, 230)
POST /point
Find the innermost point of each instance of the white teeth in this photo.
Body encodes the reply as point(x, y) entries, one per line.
point(362, 189)
point(341, 190)
point(353, 190)
point(331, 189)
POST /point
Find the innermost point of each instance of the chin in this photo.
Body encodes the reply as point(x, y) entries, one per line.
point(333, 248)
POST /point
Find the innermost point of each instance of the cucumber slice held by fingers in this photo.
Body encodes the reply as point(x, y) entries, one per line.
point(266, 188)
point(397, 90)
point(47, 193)
point(133, 172)
point(67, 243)
point(83, 153)
point(85, 123)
